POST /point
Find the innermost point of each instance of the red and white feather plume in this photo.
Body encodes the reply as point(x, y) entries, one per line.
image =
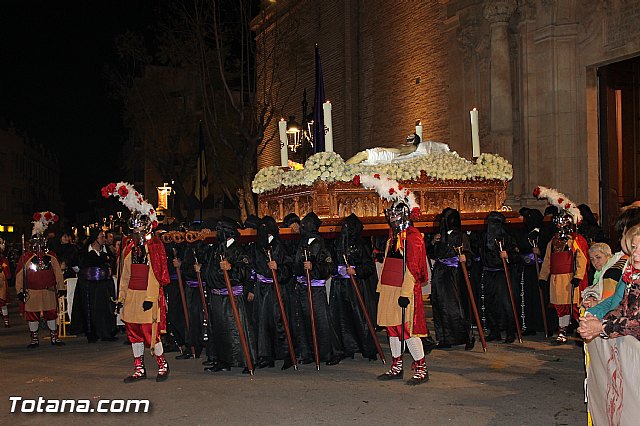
point(389, 189)
point(559, 200)
point(42, 220)
point(132, 199)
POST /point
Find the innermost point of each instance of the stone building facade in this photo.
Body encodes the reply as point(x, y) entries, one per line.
point(556, 83)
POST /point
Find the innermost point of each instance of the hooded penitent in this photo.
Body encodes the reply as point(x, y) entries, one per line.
point(310, 226)
point(267, 227)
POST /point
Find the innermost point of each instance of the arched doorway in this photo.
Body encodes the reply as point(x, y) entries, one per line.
point(619, 138)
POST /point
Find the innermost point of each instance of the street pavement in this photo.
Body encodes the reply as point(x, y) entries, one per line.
point(529, 383)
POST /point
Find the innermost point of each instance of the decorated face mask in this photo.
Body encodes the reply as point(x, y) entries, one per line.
point(398, 217)
point(565, 225)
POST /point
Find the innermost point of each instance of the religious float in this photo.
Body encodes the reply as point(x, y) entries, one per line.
point(333, 189)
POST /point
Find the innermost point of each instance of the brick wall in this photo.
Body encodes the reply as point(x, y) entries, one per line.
point(384, 63)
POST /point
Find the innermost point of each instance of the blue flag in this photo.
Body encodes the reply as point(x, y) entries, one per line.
point(318, 113)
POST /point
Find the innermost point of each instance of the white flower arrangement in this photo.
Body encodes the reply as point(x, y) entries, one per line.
point(330, 167)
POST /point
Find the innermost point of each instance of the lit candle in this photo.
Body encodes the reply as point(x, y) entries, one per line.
point(284, 154)
point(328, 127)
point(419, 129)
point(475, 136)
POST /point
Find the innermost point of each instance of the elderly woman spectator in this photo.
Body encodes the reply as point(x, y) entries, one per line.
point(625, 318)
point(608, 270)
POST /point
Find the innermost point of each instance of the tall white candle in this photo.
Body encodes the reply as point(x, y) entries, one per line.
point(284, 153)
point(475, 135)
point(328, 136)
point(419, 129)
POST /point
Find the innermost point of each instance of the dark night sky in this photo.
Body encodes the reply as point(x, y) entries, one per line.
point(53, 86)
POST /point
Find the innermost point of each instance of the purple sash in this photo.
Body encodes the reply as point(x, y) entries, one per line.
point(195, 284)
point(94, 273)
point(452, 262)
point(264, 280)
point(314, 283)
point(237, 291)
point(529, 259)
point(342, 272)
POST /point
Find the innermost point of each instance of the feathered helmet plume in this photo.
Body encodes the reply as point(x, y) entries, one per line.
point(133, 200)
point(41, 221)
point(558, 199)
point(389, 189)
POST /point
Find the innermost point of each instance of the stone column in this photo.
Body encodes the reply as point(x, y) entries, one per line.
point(498, 12)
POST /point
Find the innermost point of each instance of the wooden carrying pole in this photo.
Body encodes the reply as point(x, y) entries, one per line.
point(472, 298)
point(314, 333)
point(543, 307)
point(236, 314)
point(184, 302)
point(283, 315)
point(367, 317)
point(513, 302)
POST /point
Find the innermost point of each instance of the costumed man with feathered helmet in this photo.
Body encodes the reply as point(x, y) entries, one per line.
point(566, 261)
point(143, 274)
point(404, 271)
point(39, 281)
point(5, 276)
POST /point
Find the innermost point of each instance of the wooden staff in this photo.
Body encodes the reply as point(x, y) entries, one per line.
point(372, 329)
point(314, 333)
point(283, 315)
point(542, 304)
point(205, 306)
point(184, 302)
point(513, 302)
point(472, 298)
point(236, 314)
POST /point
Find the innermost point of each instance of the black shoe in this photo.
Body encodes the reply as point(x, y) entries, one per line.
point(493, 337)
point(266, 364)
point(185, 355)
point(221, 367)
point(510, 339)
point(287, 364)
point(209, 362)
point(442, 346)
point(334, 361)
point(470, 344)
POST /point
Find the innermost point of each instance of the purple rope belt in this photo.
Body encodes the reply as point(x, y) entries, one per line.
point(191, 283)
point(342, 272)
point(452, 262)
point(529, 259)
point(264, 280)
point(237, 291)
point(314, 283)
point(94, 273)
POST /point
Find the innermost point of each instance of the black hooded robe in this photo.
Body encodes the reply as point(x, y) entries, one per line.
point(270, 334)
point(347, 316)
point(323, 267)
point(494, 281)
point(449, 296)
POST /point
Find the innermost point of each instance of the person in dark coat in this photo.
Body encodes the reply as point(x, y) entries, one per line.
point(347, 315)
point(313, 256)
point(269, 254)
point(93, 306)
point(498, 302)
point(526, 278)
point(449, 296)
point(229, 255)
